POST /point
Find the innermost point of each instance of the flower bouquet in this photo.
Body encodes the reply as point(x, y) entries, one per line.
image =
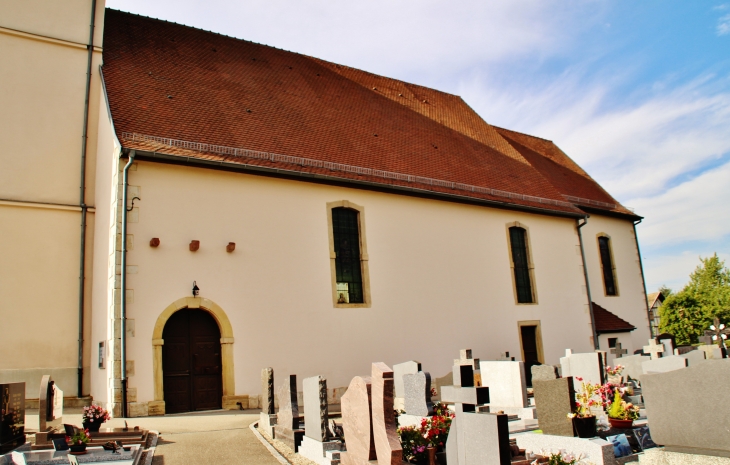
point(614, 375)
point(591, 396)
point(93, 417)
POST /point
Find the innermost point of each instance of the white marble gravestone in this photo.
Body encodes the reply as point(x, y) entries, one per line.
point(588, 366)
point(693, 357)
point(664, 364)
point(633, 366)
point(316, 444)
point(507, 388)
point(418, 394)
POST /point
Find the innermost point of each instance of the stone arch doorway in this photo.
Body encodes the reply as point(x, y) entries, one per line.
point(191, 362)
point(214, 312)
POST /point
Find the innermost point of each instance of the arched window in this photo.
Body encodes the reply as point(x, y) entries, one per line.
point(348, 255)
point(607, 265)
point(521, 265)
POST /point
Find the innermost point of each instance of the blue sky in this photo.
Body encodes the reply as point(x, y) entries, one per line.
point(637, 92)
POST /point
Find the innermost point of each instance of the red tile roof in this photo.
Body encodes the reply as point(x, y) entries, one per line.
point(167, 80)
point(607, 322)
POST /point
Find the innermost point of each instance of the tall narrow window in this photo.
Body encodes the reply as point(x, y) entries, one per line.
point(520, 265)
point(348, 268)
point(609, 277)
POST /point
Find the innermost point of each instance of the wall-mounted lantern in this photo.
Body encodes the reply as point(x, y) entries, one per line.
point(154, 242)
point(231, 247)
point(196, 289)
point(194, 246)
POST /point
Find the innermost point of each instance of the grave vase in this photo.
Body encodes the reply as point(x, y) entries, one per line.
point(92, 427)
point(585, 427)
point(77, 448)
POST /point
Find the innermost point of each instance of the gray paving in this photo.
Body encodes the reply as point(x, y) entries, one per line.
point(219, 437)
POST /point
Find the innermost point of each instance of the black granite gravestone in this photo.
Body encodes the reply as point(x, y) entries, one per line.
point(12, 416)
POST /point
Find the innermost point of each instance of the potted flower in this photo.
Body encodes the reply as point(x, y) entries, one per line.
point(621, 414)
point(614, 375)
point(77, 442)
point(93, 417)
point(429, 439)
point(589, 397)
point(560, 458)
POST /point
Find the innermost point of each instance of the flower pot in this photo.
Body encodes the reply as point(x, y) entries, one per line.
point(77, 447)
point(620, 424)
point(93, 427)
point(584, 427)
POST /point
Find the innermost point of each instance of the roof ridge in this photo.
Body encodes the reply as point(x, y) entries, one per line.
point(522, 133)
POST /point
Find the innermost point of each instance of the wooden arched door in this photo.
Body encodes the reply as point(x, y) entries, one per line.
point(191, 362)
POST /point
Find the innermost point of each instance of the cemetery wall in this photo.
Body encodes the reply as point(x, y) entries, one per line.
point(44, 54)
point(439, 272)
point(630, 303)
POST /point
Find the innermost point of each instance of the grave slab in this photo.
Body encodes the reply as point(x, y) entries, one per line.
point(702, 392)
point(287, 420)
point(316, 451)
point(479, 439)
point(589, 366)
point(633, 365)
point(357, 422)
point(694, 357)
point(664, 364)
point(597, 451)
point(418, 394)
point(399, 370)
point(711, 351)
point(316, 417)
point(554, 400)
point(267, 391)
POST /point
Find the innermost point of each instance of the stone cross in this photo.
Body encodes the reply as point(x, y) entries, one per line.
point(653, 349)
point(718, 332)
point(267, 391)
point(619, 351)
point(465, 359)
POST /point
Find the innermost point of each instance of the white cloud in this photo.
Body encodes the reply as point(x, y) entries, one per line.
point(695, 210)
point(723, 25)
point(673, 269)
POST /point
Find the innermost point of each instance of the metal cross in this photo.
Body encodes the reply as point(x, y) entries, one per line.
point(619, 351)
point(717, 333)
point(653, 349)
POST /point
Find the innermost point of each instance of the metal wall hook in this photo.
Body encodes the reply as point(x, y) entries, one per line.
point(132, 207)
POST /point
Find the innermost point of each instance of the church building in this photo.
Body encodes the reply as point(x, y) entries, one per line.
point(256, 207)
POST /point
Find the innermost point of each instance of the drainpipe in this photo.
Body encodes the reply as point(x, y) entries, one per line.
point(123, 284)
point(82, 200)
point(588, 285)
point(643, 281)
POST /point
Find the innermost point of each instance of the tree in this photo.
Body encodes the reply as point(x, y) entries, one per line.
point(688, 313)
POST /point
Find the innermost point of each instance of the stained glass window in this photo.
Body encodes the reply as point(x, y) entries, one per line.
point(518, 242)
point(348, 269)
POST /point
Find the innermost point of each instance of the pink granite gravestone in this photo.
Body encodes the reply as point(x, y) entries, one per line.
point(357, 423)
point(387, 444)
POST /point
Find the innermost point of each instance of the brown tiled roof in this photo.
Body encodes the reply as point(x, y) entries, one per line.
point(171, 81)
point(607, 322)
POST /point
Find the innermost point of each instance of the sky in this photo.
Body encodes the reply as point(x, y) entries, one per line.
point(636, 92)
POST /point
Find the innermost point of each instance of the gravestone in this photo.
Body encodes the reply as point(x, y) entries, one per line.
point(654, 350)
point(418, 394)
point(588, 366)
point(664, 364)
point(544, 372)
point(693, 356)
point(316, 444)
point(668, 347)
point(474, 438)
point(12, 416)
point(357, 422)
point(267, 417)
point(633, 366)
point(385, 433)
point(711, 351)
point(287, 420)
point(50, 405)
point(399, 370)
point(506, 382)
point(699, 392)
point(554, 400)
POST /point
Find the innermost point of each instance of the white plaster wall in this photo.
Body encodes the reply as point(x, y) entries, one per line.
point(630, 304)
point(440, 276)
point(626, 343)
point(67, 20)
point(104, 251)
